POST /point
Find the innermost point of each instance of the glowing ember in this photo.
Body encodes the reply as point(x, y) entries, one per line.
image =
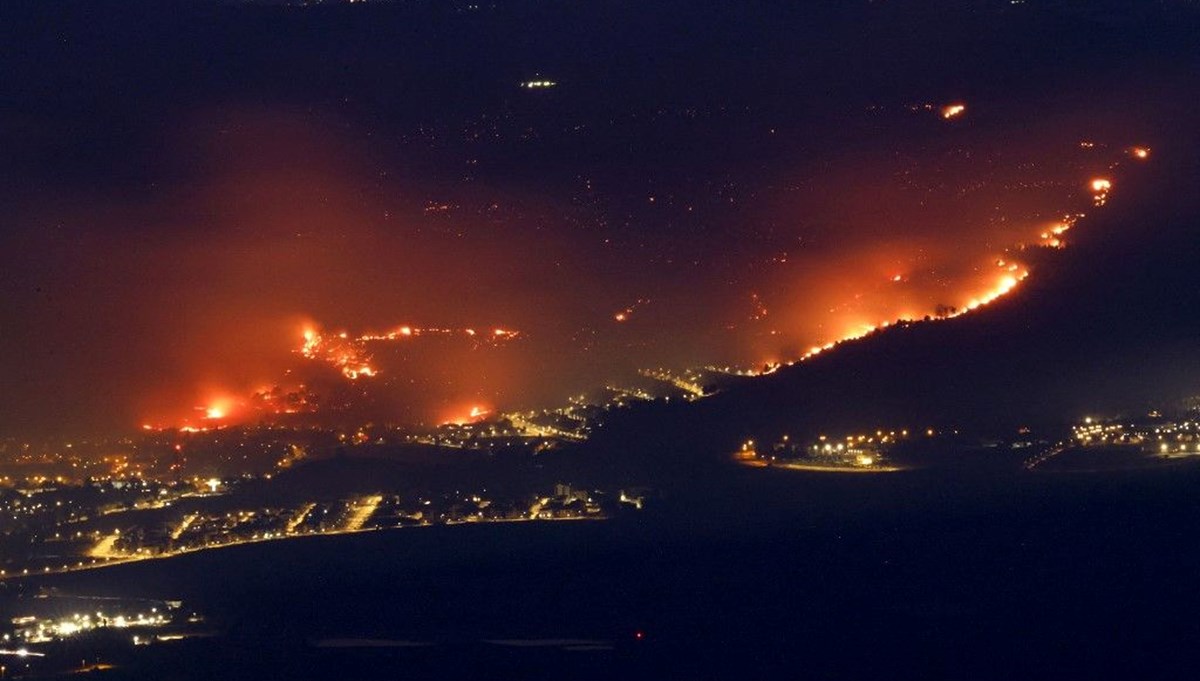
point(953, 111)
point(1050, 238)
point(624, 315)
point(760, 309)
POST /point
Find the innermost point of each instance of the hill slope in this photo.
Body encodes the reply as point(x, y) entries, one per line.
point(1108, 324)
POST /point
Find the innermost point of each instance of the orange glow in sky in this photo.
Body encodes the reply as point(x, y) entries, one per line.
point(862, 244)
point(473, 414)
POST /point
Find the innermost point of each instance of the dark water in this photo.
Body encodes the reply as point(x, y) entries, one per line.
point(781, 575)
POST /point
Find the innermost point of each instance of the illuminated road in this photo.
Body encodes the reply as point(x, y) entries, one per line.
point(104, 556)
point(818, 468)
point(694, 390)
point(1035, 461)
point(21, 652)
point(536, 508)
point(187, 521)
point(530, 428)
point(361, 513)
point(295, 522)
point(104, 548)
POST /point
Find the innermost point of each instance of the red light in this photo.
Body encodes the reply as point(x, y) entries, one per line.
point(639, 635)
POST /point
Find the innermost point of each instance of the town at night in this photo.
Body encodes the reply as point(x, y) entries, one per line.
point(530, 339)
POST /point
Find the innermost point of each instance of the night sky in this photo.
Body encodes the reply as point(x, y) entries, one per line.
point(186, 188)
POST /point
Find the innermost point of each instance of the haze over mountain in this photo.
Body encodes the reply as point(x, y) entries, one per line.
point(1108, 325)
point(187, 188)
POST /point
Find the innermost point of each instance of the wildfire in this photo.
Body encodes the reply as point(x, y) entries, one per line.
point(350, 355)
point(884, 287)
point(624, 315)
point(1014, 273)
point(1051, 237)
point(1004, 285)
point(1009, 277)
point(475, 414)
point(312, 341)
point(218, 408)
point(953, 111)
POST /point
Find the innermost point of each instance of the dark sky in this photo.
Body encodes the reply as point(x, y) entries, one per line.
point(186, 187)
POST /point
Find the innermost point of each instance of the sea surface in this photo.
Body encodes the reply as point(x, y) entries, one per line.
point(771, 574)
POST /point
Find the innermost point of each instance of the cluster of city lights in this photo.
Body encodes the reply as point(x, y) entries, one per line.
point(861, 452)
point(32, 629)
point(1157, 437)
